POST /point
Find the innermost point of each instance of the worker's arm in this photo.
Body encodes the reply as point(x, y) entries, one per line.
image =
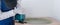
point(18, 9)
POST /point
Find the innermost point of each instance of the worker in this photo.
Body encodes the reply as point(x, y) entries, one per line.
point(6, 12)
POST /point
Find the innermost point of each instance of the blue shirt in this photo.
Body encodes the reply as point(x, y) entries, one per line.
point(4, 7)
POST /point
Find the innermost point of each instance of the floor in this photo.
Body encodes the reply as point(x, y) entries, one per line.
point(54, 22)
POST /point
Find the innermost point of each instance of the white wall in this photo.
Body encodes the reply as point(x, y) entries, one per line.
point(38, 8)
point(57, 9)
point(42, 8)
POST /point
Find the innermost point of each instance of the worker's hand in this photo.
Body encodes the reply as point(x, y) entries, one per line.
point(17, 10)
